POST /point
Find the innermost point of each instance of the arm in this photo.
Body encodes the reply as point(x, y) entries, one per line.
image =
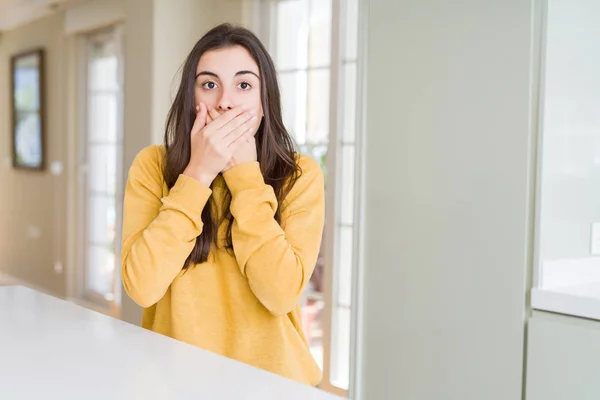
point(158, 233)
point(277, 262)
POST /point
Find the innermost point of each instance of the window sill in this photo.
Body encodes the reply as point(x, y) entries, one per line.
point(570, 287)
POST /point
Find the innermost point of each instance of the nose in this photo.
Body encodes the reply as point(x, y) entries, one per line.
point(225, 103)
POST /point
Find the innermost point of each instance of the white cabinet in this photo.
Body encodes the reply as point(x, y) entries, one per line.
point(563, 358)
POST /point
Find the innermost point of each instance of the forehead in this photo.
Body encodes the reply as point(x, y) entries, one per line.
point(226, 62)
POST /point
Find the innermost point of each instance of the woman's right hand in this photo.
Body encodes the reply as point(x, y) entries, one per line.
point(213, 144)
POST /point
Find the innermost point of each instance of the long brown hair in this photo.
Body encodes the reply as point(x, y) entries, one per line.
point(275, 147)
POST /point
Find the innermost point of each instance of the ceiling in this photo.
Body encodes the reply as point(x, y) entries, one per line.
point(14, 13)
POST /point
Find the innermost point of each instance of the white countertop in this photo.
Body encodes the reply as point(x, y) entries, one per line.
point(54, 349)
point(578, 300)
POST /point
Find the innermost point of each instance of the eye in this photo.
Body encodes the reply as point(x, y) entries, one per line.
point(209, 85)
point(245, 86)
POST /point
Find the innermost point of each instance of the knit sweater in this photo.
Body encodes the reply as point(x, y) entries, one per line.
point(243, 304)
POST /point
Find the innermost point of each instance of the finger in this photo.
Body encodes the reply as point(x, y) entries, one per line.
point(245, 139)
point(227, 116)
point(238, 124)
point(213, 113)
point(242, 133)
point(200, 121)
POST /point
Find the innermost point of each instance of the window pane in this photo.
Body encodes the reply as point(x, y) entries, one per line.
point(340, 354)
point(103, 168)
point(320, 33)
point(27, 82)
point(344, 275)
point(293, 103)
point(102, 118)
point(292, 34)
point(349, 128)
point(319, 153)
point(318, 107)
point(99, 275)
point(103, 66)
point(28, 139)
point(101, 217)
point(347, 184)
point(351, 23)
point(312, 315)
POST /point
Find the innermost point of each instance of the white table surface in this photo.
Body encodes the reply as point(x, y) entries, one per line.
point(54, 349)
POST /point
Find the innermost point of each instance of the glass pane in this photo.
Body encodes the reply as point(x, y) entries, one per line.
point(349, 128)
point(320, 33)
point(103, 66)
point(101, 218)
point(319, 153)
point(344, 275)
point(293, 103)
point(27, 83)
point(340, 341)
point(292, 34)
point(102, 117)
point(103, 168)
point(312, 315)
point(318, 107)
point(28, 139)
point(351, 23)
point(347, 184)
point(100, 269)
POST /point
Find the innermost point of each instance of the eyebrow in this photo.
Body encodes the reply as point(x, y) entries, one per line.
point(244, 72)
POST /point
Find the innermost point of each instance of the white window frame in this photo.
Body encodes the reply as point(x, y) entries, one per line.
point(264, 24)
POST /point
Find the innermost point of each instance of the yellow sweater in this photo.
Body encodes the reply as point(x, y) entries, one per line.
point(243, 306)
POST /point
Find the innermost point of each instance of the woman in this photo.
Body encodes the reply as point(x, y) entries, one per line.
point(222, 224)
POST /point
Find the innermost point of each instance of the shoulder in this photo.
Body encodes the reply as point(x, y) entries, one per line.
point(310, 169)
point(148, 163)
point(310, 182)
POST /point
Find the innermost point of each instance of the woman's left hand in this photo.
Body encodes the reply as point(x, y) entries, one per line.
point(246, 153)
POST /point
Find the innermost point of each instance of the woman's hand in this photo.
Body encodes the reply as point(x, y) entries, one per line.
point(245, 152)
point(213, 145)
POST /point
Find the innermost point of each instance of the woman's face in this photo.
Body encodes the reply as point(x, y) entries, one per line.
point(226, 78)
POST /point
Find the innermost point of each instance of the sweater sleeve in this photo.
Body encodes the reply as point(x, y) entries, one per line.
point(277, 260)
point(158, 233)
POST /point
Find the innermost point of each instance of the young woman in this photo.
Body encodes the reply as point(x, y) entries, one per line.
point(222, 224)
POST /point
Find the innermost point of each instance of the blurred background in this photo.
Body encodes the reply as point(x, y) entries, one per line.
point(461, 147)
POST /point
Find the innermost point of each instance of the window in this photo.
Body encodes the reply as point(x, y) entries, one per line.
point(101, 170)
point(314, 45)
point(568, 225)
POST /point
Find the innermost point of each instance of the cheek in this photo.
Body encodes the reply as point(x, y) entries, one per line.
point(202, 96)
point(256, 105)
point(259, 112)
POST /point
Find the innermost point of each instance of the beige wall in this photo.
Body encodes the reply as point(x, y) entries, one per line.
point(34, 201)
point(158, 36)
point(178, 24)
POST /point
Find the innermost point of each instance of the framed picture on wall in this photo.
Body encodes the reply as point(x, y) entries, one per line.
point(27, 99)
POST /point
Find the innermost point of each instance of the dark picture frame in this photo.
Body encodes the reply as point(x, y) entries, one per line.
point(28, 110)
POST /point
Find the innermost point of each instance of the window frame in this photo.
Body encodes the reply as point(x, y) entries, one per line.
point(265, 23)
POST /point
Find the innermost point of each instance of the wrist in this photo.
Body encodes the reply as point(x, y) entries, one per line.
point(201, 176)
